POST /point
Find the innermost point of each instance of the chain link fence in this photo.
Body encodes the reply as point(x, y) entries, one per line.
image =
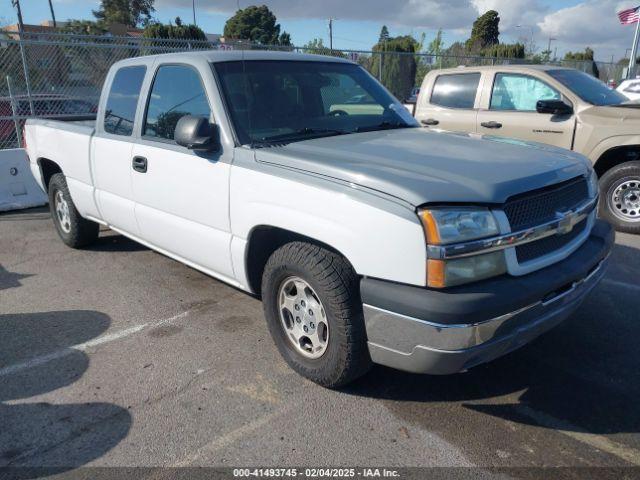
point(52, 75)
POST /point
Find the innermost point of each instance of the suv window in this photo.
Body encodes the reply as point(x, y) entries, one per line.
point(123, 99)
point(519, 92)
point(168, 103)
point(456, 91)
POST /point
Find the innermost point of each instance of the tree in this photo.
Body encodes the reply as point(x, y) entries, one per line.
point(256, 24)
point(384, 34)
point(317, 47)
point(585, 59)
point(128, 12)
point(398, 68)
point(504, 50)
point(435, 46)
point(485, 31)
point(177, 31)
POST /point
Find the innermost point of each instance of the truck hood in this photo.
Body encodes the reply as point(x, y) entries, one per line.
point(422, 166)
point(625, 116)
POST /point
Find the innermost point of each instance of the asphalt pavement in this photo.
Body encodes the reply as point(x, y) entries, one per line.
point(118, 356)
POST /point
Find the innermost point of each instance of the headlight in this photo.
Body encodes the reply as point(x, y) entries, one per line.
point(454, 225)
point(445, 226)
point(593, 184)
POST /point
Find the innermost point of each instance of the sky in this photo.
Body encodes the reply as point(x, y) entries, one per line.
point(574, 24)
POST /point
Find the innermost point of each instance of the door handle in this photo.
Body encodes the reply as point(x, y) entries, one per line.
point(139, 164)
point(491, 124)
point(429, 122)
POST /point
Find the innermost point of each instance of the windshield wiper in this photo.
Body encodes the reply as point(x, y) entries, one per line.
point(304, 133)
point(383, 126)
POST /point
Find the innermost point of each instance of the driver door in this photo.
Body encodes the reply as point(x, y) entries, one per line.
point(512, 111)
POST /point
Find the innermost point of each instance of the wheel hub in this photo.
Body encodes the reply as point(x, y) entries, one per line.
point(624, 198)
point(62, 212)
point(303, 317)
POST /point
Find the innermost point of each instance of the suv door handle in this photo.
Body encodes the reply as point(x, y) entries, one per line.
point(139, 164)
point(429, 121)
point(491, 124)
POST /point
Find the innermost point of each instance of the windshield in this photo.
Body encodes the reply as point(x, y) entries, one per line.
point(587, 87)
point(288, 101)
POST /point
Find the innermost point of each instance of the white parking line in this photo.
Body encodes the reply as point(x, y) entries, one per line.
point(111, 337)
point(599, 442)
point(207, 450)
point(616, 283)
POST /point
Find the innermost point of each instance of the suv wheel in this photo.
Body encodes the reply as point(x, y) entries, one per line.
point(74, 230)
point(312, 304)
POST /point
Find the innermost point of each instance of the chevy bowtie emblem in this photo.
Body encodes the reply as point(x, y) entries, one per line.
point(566, 222)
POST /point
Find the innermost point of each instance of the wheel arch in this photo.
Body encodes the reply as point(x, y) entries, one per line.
point(615, 156)
point(48, 168)
point(262, 241)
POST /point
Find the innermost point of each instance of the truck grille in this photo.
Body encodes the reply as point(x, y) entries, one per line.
point(540, 206)
point(544, 246)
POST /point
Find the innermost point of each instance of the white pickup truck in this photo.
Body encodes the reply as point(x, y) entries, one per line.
point(368, 238)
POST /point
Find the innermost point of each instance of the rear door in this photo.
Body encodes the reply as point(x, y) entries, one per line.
point(510, 111)
point(449, 102)
point(182, 197)
point(111, 149)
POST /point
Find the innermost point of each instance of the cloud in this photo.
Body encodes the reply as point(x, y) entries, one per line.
point(593, 23)
point(589, 23)
point(428, 14)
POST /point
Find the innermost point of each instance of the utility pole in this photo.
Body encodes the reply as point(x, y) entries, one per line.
point(331, 34)
point(16, 4)
point(551, 39)
point(53, 15)
point(193, 6)
point(634, 51)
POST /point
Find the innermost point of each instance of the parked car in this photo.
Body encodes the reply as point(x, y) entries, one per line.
point(368, 238)
point(630, 89)
point(548, 104)
point(44, 105)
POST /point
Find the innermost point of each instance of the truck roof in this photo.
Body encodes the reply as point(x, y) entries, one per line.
point(214, 56)
point(523, 67)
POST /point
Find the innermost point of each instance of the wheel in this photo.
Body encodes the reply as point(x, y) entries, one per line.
point(311, 300)
point(620, 197)
point(74, 230)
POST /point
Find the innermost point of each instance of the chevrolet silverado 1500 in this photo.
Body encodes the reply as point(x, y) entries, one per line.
point(367, 237)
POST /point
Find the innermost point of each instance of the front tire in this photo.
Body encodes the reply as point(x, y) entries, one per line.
point(75, 231)
point(620, 197)
point(311, 300)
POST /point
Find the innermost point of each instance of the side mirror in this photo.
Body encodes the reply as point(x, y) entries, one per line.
point(554, 107)
point(197, 133)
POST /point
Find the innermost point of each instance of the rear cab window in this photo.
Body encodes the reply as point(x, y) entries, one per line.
point(120, 111)
point(457, 90)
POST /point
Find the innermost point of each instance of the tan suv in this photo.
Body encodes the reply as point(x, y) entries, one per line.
point(558, 106)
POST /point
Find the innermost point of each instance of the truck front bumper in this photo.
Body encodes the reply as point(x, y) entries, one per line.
point(446, 331)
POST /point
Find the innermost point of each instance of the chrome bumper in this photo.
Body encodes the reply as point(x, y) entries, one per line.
point(420, 346)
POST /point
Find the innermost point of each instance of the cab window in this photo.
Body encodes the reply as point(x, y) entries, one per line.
point(177, 91)
point(456, 91)
point(122, 101)
point(519, 92)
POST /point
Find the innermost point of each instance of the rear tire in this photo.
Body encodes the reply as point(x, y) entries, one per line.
point(620, 197)
point(75, 231)
point(308, 287)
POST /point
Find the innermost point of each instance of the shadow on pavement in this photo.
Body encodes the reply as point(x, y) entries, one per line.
point(584, 375)
point(36, 357)
point(11, 279)
point(115, 243)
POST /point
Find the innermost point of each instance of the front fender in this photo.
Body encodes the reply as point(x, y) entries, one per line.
point(380, 239)
point(612, 142)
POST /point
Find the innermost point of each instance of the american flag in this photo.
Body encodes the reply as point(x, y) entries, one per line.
point(631, 15)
